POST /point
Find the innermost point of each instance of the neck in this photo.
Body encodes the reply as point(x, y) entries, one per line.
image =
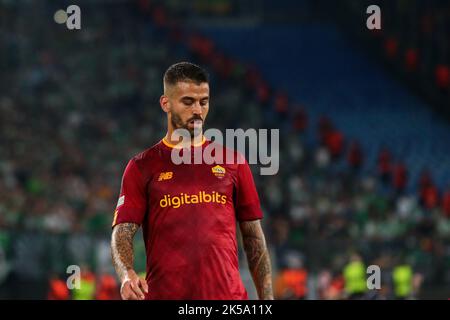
point(194, 141)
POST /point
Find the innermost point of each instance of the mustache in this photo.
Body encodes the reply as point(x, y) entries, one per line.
point(197, 117)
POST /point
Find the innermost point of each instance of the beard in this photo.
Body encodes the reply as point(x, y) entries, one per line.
point(178, 123)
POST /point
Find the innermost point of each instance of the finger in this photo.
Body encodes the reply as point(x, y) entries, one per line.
point(137, 290)
point(130, 295)
point(127, 293)
point(144, 285)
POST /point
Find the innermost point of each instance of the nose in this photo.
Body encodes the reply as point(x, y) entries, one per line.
point(197, 109)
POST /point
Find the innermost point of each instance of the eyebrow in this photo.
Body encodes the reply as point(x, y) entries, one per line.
point(193, 99)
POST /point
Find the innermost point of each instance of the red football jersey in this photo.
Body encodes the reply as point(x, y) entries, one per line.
point(188, 214)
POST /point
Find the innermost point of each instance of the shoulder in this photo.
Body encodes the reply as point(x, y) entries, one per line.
point(230, 156)
point(148, 158)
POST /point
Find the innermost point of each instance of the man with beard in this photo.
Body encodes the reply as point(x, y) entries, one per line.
point(188, 212)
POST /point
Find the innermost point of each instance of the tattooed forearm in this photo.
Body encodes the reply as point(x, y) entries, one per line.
point(122, 247)
point(257, 257)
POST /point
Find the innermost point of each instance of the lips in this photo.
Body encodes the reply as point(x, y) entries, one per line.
point(196, 123)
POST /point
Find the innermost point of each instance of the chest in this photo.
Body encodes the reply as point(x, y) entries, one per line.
point(189, 179)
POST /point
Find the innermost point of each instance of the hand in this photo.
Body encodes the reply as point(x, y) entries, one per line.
point(133, 287)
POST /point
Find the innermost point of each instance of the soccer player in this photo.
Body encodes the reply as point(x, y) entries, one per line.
point(188, 212)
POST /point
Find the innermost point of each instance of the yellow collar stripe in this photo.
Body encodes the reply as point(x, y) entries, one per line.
point(179, 147)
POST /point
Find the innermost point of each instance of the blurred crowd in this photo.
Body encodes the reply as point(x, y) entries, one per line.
point(413, 41)
point(77, 105)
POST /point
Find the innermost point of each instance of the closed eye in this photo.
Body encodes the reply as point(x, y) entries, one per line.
point(187, 101)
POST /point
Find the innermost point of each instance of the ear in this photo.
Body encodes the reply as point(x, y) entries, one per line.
point(164, 102)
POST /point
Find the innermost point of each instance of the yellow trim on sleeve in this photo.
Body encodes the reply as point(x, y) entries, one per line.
point(116, 212)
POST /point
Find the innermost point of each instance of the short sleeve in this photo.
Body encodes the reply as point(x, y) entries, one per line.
point(132, 203)
point(247, 201)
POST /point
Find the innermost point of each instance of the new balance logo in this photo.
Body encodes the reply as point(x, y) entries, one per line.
point(165, 176)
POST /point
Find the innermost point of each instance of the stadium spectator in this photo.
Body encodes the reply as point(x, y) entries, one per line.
point(425, 179)
point(330, 287)
point(430, 197)
point(291, 283)
point(281, 105)
point(263, 93)
point(446, 203)
point(355, 156)
point(87, 288)
point(57, 289)
point(428, 192)
point(325, 127)
point(355, 277)
point(335, 143)
point(384, 166)
point(300, 121)
point(403, 281)
point(442, 75)
point(399, 177)
point(411, 59)
point(107, 288)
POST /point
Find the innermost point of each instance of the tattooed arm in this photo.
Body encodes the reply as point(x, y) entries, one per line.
point(257, 257)
point(132, 287)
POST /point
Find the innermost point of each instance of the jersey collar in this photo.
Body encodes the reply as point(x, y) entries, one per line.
point(170, 145)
